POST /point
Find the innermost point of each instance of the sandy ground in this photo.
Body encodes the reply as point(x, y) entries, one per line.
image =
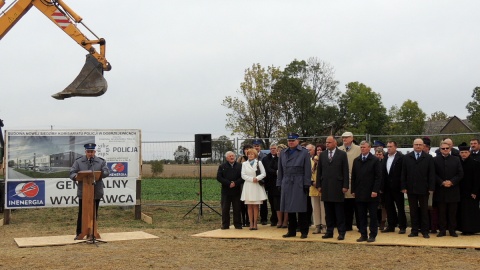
point(177, 249)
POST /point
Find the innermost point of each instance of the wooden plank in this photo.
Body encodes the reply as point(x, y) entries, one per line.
point(147, 219)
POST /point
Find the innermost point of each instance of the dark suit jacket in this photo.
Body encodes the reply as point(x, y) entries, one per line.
point(447, 168)
point(470, 183)
point(366, 178)
point(418, 176)
point(332, 176)
point(392, 180)
point(226, 174)
point(271, 179)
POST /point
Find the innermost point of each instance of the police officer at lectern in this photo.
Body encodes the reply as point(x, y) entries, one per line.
point(87, 163)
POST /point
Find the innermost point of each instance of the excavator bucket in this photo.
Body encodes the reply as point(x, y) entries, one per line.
point(89, 83)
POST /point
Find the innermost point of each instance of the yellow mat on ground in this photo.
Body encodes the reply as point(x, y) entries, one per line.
point(61, 240)
point(383, 239)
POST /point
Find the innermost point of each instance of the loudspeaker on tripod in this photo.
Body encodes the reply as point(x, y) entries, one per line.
point(203, 145)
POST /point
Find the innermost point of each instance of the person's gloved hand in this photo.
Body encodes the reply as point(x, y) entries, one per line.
point(306, 188)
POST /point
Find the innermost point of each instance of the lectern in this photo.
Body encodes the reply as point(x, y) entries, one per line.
point(89, 215)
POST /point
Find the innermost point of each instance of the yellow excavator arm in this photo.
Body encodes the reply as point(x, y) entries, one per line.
point(90, 81)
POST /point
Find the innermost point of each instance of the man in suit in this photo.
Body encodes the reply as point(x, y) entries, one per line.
point(271, 182)
point(294, 179)
point(333, 182)
point(418, 181)
point(475, 149)
point(394, 198)
point(229, 174)
point(449, 172)
point(366, 182)
point(353, 151)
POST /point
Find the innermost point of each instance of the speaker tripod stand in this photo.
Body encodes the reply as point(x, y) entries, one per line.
point(201, 202)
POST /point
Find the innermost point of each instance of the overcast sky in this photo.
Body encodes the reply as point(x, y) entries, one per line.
point(175, 61)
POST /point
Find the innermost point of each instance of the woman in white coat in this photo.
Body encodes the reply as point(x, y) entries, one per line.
point(253, 192)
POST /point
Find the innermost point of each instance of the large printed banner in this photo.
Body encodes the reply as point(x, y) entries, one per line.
point(39, 162)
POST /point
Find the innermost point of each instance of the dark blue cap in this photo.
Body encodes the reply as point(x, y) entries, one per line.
point(292, 136)
point(89, 146)
point(257, 141)
point(378, 143)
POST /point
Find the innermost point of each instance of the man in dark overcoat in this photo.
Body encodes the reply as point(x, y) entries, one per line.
point(366, 182)
point(333, 182)
point(418, 181)
point(394, 198)
point(469, 213)
point(294, 180)
point(229, 174)
point(271, 181)
point(449, 173)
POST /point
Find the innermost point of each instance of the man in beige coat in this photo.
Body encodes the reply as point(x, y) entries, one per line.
point(353, 151)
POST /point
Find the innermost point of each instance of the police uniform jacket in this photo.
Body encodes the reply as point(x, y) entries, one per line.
point(333, 176)
point(366, 178)
point(294, 173)
point(418, 176)
point(447, 168)
point(83, 164)
point(228, 173)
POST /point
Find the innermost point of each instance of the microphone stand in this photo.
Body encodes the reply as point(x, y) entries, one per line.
point(93, 239)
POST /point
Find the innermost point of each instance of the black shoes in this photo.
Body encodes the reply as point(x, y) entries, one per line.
point(238, 228)
point(327, 235)
point(362, 239)
point(371, 239)
point(288, 235)
point(441, 234)
point(225, 228)
point(264, 223)
point(413, 234)
point(303, 236)
point(76, 237)
point(386, 230)
point(453, 234)
point(425, 235)
point(341, 237)
point(402, 231)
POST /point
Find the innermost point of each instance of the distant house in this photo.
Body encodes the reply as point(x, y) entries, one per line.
point(452, 125)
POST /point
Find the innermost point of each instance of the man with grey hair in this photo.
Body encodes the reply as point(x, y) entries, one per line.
point(366, 182)
point(229, 174)
point(418, 182)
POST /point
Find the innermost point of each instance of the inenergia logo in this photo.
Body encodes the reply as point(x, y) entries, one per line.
point(118, 169)
point(26, 190)
point(26, 194)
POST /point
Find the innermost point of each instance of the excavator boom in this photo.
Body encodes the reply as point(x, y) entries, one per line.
point(90, 81)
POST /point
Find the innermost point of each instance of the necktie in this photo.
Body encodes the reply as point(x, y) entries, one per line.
point(418, 155)
point(363, 158)
point(330, 156)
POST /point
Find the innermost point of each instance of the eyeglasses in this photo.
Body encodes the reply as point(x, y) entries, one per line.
point(445, 148)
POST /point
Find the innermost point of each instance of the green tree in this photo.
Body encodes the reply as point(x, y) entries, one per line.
point(181, 155)
point(473, 108)
point(255, 113)
point(437, 116)
point(307, 92)
point(220, 147)
point(157, 167)
point(363, 110)
point(410, 119)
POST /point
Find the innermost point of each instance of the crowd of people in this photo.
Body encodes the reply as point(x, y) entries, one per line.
point(330, 186)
